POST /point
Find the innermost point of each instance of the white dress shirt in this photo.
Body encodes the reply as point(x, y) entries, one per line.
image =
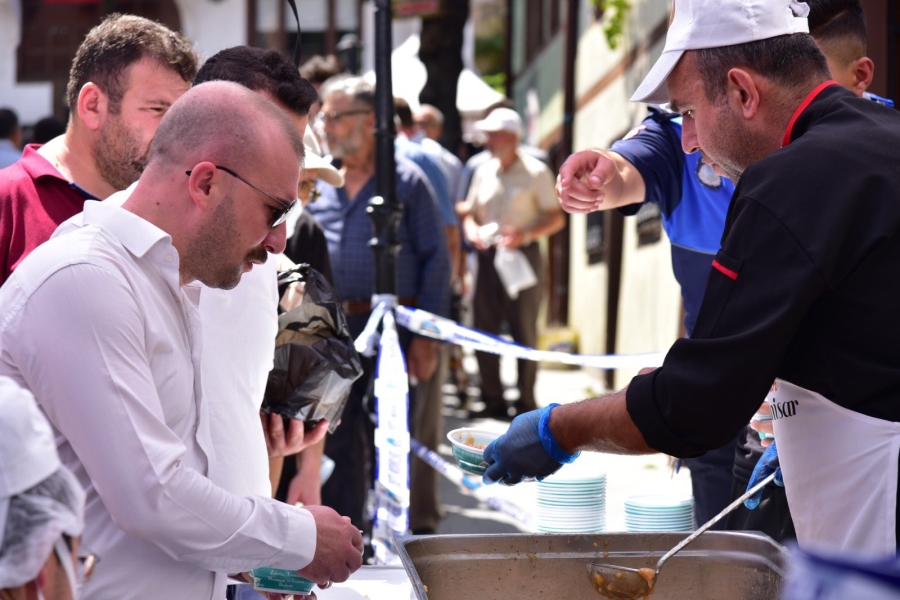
point(239, 328)
point(95, 324)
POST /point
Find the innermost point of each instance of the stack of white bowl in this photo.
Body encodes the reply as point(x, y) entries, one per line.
point(659, 512)
point(572, 500)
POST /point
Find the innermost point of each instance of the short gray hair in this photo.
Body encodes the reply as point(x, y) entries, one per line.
point(356, 88)
point(791, 61)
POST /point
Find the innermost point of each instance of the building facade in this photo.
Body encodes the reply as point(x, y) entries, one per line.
point(622, 297)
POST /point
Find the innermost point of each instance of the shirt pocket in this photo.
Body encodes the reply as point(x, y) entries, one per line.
point(723, 276)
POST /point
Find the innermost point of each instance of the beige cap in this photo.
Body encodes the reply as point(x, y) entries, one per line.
point(315, 160)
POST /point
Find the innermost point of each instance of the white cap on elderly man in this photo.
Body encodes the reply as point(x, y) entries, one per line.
point(700, 24)
point(501, 119)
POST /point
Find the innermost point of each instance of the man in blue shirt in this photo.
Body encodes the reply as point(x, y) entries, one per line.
point(423, 274)
point(649, 165)
point(10, 137)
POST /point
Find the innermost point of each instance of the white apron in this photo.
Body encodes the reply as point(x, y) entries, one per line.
point(840, 472)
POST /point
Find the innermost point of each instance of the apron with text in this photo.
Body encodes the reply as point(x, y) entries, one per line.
point(840, 472)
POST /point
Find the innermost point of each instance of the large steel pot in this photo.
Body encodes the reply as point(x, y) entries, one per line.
point(718, 565)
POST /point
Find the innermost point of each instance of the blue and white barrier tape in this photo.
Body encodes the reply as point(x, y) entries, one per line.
point(471, 484)
point(429, 325)
point(391, 444)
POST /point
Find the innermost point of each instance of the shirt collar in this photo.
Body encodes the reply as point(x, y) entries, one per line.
point(789, 132)
point(135, 233)
point(37, 166)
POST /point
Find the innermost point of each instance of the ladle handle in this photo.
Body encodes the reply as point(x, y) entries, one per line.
point(714, 520)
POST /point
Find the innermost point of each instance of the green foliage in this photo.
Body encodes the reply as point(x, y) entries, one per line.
point(496, 81)
point(614, 12)
point(489, 51)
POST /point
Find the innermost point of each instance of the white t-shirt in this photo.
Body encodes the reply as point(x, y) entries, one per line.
point(239, 328)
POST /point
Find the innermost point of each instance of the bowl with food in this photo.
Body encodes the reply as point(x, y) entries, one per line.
point(468, 446)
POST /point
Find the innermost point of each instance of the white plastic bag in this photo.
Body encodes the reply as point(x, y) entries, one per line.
point(514, 270)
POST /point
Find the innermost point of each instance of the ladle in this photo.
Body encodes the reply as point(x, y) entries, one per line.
point(625, 583)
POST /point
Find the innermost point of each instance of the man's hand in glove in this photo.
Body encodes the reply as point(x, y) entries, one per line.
point(768, 464)
point(527, 450)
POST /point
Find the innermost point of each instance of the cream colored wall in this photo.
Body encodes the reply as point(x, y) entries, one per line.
point(649, 300)
point(649, 297)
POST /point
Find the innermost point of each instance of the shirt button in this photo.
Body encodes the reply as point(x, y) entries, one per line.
point(169, 258)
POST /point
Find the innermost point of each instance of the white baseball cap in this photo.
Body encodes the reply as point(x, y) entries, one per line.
point(315, 160)
point(501, 119)
point(699, 24)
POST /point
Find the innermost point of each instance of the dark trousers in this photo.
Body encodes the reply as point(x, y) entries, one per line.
point(492, 306)
point(711, 482)
point(427, 427)
point(351, 447)
point(772, 516)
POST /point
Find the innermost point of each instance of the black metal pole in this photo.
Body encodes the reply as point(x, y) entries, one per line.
point(384, 209)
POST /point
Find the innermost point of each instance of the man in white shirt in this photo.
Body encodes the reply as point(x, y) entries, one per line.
point(101, 324)
point(240, 325)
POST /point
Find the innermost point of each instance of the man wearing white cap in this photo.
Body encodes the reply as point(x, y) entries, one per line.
point(41, 505)
point(513, 193)
point(803, 291)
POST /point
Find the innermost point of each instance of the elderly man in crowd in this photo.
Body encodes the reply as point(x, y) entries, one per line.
point(126, 74)
point(423, 266)
point(512, 192)
point(799, 306)
point(41, 506)
point(133, 422)
point(428, 122)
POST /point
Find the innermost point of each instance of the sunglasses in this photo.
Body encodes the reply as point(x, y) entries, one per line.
point(279, 215)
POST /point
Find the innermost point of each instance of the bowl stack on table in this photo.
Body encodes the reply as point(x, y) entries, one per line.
point(659, 512)
point(572, 500)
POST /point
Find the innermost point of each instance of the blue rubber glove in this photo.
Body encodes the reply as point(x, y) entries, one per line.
point(527, 450)
point(767, 464)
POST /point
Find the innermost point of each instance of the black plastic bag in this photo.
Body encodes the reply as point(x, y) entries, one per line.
point(315, 360)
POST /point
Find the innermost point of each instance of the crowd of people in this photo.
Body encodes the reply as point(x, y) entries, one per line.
point(140, 304)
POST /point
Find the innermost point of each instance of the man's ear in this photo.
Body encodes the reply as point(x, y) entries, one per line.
point(93, 106)
point(742, 92)
point(863, 70)
point(201, 184)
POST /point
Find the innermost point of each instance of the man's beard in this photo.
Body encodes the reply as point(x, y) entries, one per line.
point(340, 148)
point(742, 149)
point(118, 154)
point(202, 259)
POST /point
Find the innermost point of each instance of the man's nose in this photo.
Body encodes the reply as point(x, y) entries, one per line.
point(689, 141)
point(276, 241)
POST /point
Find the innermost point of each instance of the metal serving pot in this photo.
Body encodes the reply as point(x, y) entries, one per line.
point(719, 565)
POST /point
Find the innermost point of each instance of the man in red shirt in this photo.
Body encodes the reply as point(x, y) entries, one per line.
point(125, 76)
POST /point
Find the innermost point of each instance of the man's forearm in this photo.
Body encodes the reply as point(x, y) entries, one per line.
point(310, 460)
point(598, 425)
point(551, 222)
point(454, 246)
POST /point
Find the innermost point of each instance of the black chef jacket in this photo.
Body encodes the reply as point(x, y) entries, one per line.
point(806, 286)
